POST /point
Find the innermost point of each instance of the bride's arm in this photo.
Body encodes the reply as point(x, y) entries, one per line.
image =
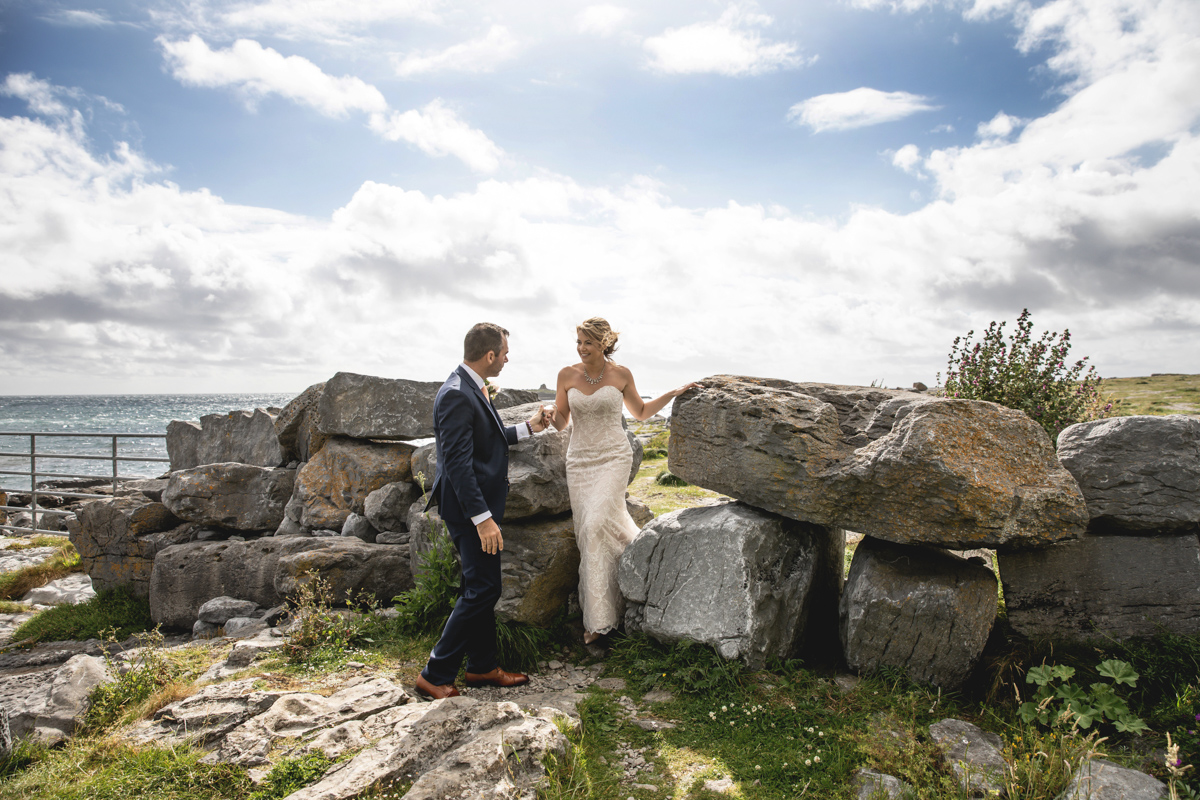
point(562, 408)
point(642, 409)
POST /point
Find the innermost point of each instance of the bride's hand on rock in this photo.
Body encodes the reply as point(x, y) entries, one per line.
point(683, 389)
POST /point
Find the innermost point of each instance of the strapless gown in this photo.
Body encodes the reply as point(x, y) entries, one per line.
point(599, 459)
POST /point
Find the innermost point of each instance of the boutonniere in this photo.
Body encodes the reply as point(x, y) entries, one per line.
point(491, 389)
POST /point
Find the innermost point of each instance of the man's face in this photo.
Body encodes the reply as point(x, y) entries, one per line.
point(497, 361)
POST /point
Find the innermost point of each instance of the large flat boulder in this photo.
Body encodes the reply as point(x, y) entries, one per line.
point(338, 479)
point(247, 437)
point(1104, 586)
point(1140, 474)
point(296, 425)
point(731, 576)
point(48, 706)
point(350, 566)
point(118, 540)
point(895, 465)
point(917, 609)
point(239, 496)
point(367, 407)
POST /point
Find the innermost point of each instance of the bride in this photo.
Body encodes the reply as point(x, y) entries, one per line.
point(599, 461)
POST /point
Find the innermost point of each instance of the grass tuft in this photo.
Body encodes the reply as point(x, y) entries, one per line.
point(64, 561)
point(113, 611)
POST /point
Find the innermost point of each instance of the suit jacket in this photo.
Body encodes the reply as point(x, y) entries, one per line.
point(472, 452)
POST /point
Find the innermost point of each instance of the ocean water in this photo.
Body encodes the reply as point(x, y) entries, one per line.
point(139, 413)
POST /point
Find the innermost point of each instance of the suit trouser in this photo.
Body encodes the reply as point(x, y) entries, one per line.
point(471, 629)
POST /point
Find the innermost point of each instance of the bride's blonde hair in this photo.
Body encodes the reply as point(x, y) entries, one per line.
point(598, 330)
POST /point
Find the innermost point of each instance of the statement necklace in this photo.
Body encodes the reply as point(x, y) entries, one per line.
point(588, 378)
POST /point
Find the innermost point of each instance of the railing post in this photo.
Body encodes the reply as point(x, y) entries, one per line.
point(33, 504)
point(114, 463)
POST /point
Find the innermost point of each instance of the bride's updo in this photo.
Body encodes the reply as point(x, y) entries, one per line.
point(598, 330)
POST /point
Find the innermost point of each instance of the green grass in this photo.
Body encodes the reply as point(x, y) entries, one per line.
point(112, 612)
point(12, 607)
point(1156, 394)
point(64, 561)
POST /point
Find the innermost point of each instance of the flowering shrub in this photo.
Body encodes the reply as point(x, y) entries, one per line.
point(1026, 374)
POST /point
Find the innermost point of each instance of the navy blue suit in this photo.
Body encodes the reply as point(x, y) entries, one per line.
point(472, 477)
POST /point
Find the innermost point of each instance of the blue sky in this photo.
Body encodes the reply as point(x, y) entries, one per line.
point(230, 195)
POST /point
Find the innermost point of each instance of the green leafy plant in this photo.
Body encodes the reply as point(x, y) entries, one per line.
point(1057, 699)
point(150, 670)
point(426, 606)
point(319, 627)
point(1027, 374)
point(291, 775)
point(667, 478)
point(688, 666)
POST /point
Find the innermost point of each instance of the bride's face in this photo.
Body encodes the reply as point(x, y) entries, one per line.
point(587, 348)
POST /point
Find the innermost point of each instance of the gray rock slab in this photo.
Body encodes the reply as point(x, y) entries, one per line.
point(207, 716)
point(351, 567)
point(245, 651)
point(387, 507)
point(71, 589)
point(368, 407)
point(1097, 779)
point(336, 481)
point(359, 527)
point(243, 497)
point(537, 469)
point(241, 627)
point(220, 610)
point(400, 539)
point(1140, 473)
point(730, 576)
point(245, 437)
point(896, 465)
point(869, 784)
point(975, 756)
point(1104, 586)
point(296, 425)
point(49, 705)
point(917, 609)
point(118, 539)
point(507, 398)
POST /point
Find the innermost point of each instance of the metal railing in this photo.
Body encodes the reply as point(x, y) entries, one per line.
point(114, 457)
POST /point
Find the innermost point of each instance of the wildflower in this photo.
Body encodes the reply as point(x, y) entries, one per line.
point(820, 733)
point(756, 766)
point(724, 708)
point(817, 759)
point(808, 762)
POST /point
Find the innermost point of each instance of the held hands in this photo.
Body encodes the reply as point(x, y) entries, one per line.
point(541, 418)
point(489, 536)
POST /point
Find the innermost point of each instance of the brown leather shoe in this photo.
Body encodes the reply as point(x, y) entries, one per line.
point(436, 692)
point(496, 677)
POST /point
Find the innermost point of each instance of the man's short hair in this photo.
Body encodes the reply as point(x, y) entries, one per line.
point(483, 338)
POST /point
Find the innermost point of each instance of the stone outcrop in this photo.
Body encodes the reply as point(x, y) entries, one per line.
point(1098, 779)
point(246, 437)
point(220, 610)
point(359, 527)
point(387, 507)
point(239, 496)
point(892, 464)
point(975, 756)
point(296, 425)
point(731, 576)
point(917, 609)
point(338, 479)
point(265, 571)
point(367, 407)
point(1140, 474)
point(539, 569)
point(75, 588)
point(49, 705)
point(118, 539)
point(1104, 586)
point(507, 398)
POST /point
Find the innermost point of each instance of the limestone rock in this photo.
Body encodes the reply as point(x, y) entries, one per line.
point(640, 512)
point(65, 702)
point(1138, 473)
point(239, 496)
point(241, 627)
point(731, 576)
point(206, 716)
point(245, 437)
point(245, 651)
point(296, 425)
point(422, 527)
point(539, 569)
point(117, 540)
point(71, 589)
point(6, 737)
point(360, 528)
point(1097, 779)
point(537, 469)
point(457, 747)
point(387, 507)
point(349, 565)
point(338, 479)
point(917, 609)
point(975, 756)
point(893, 464)
point(367, 407)
point(507, 398)
point(1105, 586)
point(871, 785)
point(220, 610)
point(424, 466)
point(392, 537)
point(186, 576)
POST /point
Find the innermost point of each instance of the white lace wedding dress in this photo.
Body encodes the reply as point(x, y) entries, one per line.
point(598, 463)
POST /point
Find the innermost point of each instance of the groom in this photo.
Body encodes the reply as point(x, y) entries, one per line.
point(469, 490)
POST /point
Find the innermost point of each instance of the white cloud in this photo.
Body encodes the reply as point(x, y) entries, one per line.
point(258, 71)
point(999, 126)
point(78, 18)
point(477, 55)
point(730, 46)
point(602, 19)
point(42, 96)
point(857, 108)
point(327, 21)
point(907, 158)
point(437, 131)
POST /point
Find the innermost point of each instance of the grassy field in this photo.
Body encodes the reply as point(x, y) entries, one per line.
point(1156, 394)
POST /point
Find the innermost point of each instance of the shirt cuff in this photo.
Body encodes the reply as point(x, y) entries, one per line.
point(478, 518)
point(523, 430)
